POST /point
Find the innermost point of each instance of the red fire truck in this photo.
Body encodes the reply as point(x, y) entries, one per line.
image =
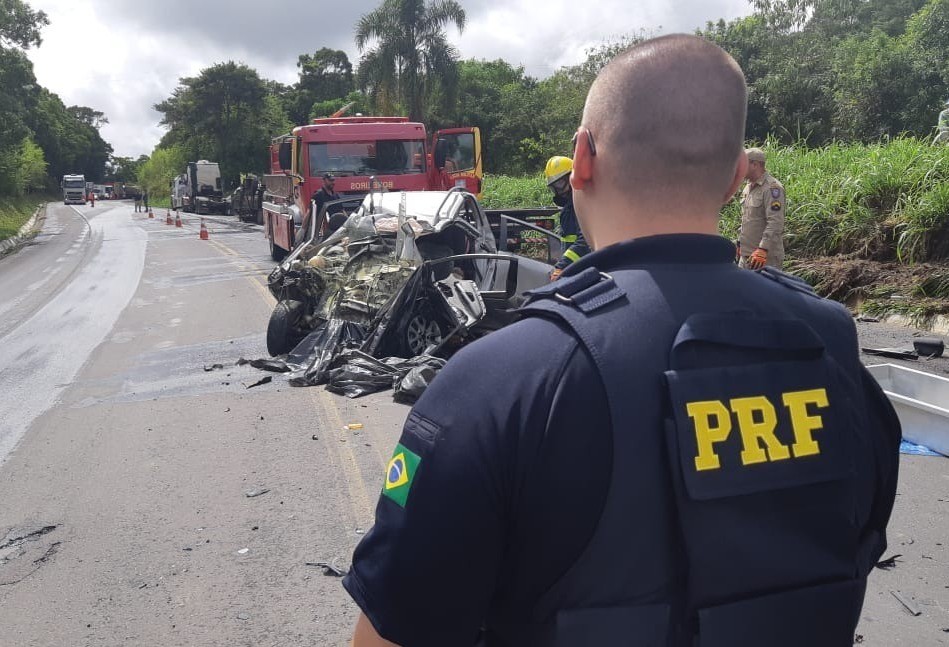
point(382, 153)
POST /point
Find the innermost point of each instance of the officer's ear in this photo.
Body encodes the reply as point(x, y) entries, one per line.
point(583, 153)
point(741, 170)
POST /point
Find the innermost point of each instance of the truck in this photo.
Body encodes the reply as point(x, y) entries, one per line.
point(74, 189)
point(199, 189)
point(363, 154)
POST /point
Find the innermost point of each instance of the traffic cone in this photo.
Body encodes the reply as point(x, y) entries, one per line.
point(177, 219)
point(167, 217)
point(151, 214)
point(204, 230)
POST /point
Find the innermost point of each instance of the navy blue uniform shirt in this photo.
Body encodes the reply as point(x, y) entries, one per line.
point(501, 474)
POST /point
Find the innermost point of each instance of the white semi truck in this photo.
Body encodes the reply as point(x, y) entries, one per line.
point(74, 189)
point(199, 189)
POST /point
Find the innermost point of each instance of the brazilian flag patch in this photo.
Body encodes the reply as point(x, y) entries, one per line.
point(400, 472)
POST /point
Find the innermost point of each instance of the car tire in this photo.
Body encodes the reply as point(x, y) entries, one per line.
point(422, 330)
point(283, 332)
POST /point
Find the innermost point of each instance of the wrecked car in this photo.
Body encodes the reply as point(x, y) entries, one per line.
point(398, 274)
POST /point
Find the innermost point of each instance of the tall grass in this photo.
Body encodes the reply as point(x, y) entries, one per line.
point(887, 201)
point(506, 192)
point(14, 212)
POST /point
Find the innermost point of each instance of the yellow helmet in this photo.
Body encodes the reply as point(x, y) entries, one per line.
point(557, 167)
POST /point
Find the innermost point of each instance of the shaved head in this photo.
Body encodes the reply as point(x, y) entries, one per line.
point(668, 115)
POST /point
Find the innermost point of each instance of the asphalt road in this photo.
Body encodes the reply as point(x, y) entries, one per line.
point(123, 510)
point(126, 456)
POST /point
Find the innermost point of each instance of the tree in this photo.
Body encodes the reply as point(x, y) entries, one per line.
point(227, 113)
point(88, 116)
point(156, 173)
point(19, 25)
point(325, 76)
point(413, 60)
point(124, 169)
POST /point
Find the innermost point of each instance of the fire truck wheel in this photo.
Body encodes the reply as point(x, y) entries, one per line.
point(282, 331)
point(276, 253)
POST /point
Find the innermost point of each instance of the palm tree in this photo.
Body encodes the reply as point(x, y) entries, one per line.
point(412, 53)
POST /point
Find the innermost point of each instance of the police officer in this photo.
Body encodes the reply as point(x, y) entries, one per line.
point(761, 241)
point(943, 135)
point(728, 478)
point(557, 173)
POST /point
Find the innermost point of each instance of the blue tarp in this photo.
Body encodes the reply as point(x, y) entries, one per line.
point(906, 447)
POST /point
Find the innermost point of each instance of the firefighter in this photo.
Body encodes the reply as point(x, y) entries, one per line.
point(557, 174)
point(665, 449)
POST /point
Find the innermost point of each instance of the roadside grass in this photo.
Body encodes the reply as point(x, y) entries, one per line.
point(867, 224)
point(14, 212)
point(504, 191)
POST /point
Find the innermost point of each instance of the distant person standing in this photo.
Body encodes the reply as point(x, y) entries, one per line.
point(761, 241)
point(942, 136)
point(92, 199)
point(145, 201)
point(327, 192)
point(138, 203)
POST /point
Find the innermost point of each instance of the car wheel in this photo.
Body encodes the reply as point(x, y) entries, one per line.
point(283, 332)
point(422, 331)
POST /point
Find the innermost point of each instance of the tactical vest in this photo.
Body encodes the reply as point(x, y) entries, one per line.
point(730, 519)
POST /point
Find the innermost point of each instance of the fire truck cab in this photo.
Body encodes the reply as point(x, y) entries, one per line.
point(362, 153)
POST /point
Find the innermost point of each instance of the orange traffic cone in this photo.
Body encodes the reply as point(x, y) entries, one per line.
point(204, 230)
point(177, 219)
point(167, 217)
point(151, 214)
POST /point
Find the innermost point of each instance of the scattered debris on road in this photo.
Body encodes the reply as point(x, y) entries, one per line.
point(929, 347)
point(250, 494)
point(892, 353)
point(906, 602)
point(275, 366)
point(330, 570)
point(213, 367)
point(888, 563)
point(264, 380)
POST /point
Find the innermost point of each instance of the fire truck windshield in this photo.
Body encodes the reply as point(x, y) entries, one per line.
point(380, 157)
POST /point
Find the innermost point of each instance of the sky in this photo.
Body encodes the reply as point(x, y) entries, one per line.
point(121, 57)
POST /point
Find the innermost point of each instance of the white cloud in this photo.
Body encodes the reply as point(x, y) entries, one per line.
point(123, 56)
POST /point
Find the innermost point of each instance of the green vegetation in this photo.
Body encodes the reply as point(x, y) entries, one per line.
point(867, 225)
point(503, 191)
point(887, 201)
point(41, 139)
point(14, 212)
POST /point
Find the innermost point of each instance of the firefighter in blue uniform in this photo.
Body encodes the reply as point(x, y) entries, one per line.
point(667, 450)
point(557, 174)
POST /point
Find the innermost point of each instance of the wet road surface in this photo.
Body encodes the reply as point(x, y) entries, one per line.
point(130, 440)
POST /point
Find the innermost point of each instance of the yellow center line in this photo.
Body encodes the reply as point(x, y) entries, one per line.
point(362, 504)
